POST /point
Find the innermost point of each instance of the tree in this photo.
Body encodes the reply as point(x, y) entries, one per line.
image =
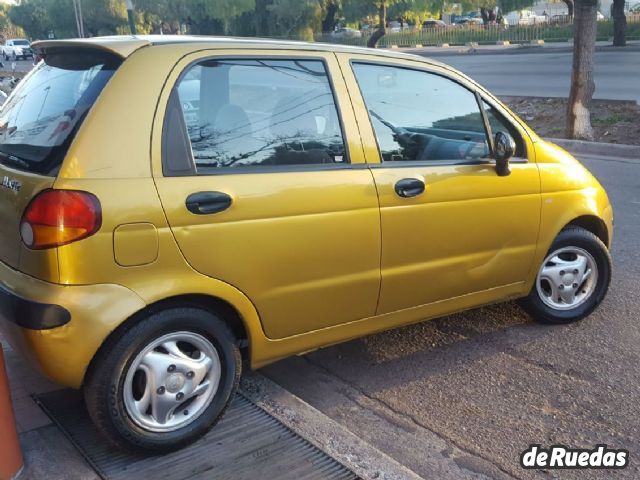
point(330, 9)
point(582, 83)
point(296, 18)
point(570, 7)
point(382, 23)
point(619, 23)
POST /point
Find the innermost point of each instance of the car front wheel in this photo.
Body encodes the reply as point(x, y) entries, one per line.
point(573, 279)
point(165, 382)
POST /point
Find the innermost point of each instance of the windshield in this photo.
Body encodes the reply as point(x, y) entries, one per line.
point(39, 121)
point(22, 43)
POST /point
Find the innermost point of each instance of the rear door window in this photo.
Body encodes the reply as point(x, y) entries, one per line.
point(263, 113)
point(40, 119)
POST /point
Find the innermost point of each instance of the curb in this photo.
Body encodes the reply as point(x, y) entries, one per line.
point(597, 148)
point(324, 433)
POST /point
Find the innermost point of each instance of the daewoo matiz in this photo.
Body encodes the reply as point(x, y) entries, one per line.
point(169, 202)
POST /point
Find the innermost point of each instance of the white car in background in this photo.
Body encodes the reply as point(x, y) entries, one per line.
point(526, 17)
point(345, 32)
point(17, 48)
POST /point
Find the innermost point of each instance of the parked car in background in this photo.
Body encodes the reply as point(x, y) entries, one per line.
point(560, 19)
point(432, 23)
point(324, 193)
point(394, 26)
point(470, 22)
point(345, 32)
point(17, 48)
point(526, 17)
point(600, 17)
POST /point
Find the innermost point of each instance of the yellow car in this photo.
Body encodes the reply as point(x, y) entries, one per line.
point(169, 205)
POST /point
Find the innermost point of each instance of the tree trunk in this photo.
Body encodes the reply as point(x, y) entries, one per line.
point(262, 17)
point(329, 22)
point(569, 4)
point(619, 23)
point(582, 84)
point(484, 13)
point(379, 33)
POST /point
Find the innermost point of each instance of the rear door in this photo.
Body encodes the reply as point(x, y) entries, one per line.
point(37, 124)
point(263, 181)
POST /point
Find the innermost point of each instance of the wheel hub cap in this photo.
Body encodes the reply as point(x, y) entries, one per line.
point(567, 278)
point(175, 382)
point(172, 381)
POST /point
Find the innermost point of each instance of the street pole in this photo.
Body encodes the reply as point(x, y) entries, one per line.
point(132, 21)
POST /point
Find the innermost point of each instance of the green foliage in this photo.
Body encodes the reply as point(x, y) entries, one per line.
point(272, 18)
point(296, 17)
point(39, 17)
point(510, 5)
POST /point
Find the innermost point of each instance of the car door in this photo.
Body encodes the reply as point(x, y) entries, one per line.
point(264, 184)
point(450, 225)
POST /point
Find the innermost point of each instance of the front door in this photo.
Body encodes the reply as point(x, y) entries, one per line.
point(450, 225)
point(265, 187)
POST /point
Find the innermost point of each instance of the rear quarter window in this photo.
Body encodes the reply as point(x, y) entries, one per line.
point(42, 116)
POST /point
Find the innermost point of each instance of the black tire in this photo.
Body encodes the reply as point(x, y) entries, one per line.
point(104, 385)
point(584, 239)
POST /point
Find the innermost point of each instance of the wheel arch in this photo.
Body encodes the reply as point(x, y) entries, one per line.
point(593, 224)
point(217, 305)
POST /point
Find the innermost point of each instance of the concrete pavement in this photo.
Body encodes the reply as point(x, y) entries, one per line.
point(463, 396)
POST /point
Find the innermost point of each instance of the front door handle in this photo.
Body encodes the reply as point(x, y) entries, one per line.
point(409, 187)
point(206, 203)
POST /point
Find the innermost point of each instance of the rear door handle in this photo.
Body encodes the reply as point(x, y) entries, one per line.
point(206, 203)
point(409, 187)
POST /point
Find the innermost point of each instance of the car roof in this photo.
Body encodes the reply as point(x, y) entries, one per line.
point(125, 45)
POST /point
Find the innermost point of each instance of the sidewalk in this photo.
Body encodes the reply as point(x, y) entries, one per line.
point(47, 452)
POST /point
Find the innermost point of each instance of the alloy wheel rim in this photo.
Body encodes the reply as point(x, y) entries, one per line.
point(172, 381)
point(567, 278)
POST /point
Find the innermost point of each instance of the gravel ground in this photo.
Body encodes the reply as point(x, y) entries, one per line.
point(613, 121)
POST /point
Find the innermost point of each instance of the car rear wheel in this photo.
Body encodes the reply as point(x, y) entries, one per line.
point(165, 382)
point(573, 279)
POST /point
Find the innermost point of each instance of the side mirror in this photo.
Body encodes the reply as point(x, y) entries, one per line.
point(504, 147)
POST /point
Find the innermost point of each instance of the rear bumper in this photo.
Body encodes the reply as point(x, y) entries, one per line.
point(29, 314)
point(59, 328)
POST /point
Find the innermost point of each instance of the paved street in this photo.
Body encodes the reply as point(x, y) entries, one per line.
point(463, 396)
point(548, 74)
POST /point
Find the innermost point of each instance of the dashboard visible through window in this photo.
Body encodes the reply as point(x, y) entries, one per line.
point(420, 116)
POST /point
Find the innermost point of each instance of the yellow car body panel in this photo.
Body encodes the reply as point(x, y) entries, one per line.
point(305, 262)
point(490, 244)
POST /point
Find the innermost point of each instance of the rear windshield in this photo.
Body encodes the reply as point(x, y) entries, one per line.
point(40, 119)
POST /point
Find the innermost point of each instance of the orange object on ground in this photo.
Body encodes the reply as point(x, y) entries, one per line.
point(10, 454)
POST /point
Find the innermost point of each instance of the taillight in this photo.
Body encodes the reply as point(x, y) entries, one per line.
point(57, 217)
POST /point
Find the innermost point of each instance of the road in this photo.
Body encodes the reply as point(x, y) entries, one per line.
point(462, 396)
point(548, 74)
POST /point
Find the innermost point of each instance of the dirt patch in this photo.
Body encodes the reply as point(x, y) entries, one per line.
point(613, 121)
